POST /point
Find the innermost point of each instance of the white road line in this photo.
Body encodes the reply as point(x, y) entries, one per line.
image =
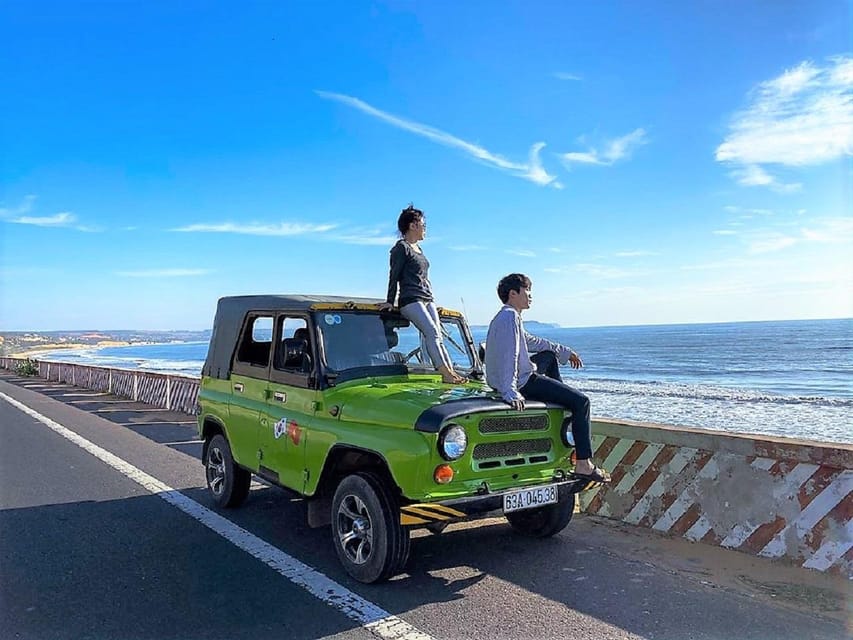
point(370, 616)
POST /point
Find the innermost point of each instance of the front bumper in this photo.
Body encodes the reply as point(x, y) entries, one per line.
point(446, 511)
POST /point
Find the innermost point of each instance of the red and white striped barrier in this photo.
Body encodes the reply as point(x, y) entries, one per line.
point(772, 497)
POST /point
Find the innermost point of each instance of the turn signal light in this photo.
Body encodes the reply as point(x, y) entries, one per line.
point(443, 474)
point(574, 457)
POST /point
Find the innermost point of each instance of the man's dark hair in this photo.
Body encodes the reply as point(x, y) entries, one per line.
point(513, 282)
point(407, 217)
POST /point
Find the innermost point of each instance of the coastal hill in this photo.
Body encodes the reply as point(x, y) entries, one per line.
point(529, 325)
point(20, 342)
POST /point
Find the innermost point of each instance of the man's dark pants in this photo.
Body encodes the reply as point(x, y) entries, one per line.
point(548, 386)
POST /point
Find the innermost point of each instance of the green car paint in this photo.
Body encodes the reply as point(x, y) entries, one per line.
point(287, 425)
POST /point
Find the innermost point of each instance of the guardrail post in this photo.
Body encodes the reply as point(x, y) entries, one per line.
point(110, 382)
point(135, 386)
point(168, 393)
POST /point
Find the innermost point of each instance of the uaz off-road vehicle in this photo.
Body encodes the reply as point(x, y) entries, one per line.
point(334, 400)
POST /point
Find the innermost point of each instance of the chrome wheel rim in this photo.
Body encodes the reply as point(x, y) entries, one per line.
point(355, 529)
point(216, 471)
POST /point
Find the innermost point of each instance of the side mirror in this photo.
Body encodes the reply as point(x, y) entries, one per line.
point(481, 352)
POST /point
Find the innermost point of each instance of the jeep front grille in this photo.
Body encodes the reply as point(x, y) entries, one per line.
point(504, 424)
point(511, 449)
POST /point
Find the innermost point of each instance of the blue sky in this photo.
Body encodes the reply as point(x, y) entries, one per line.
point(644, 163)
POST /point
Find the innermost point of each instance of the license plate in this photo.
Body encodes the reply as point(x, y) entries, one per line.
point(530, 498)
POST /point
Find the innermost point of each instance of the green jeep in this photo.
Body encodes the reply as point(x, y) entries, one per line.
point(333, 399)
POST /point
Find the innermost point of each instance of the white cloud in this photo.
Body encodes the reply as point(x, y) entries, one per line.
point(365, 239)
point(593, 270)
point(613, 151)
point(25, 207)
point(524, 253)
point(467, 247)
point(562, 75)
point(635, 254)
point(771, 243)
point(803, 117)
point(163, 273)
point(532, 171)
point(64, 219)
point(258, 229)
point(724, 232)
point(830, 231)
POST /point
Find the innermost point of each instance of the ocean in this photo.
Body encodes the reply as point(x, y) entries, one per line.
point(787, 378)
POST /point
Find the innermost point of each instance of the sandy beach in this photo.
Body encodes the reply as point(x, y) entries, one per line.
point(37, 351)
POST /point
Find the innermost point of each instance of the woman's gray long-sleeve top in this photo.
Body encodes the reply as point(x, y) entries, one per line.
point(409, 269)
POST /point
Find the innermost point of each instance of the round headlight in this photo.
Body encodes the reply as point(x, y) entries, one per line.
point(452, 442)
point(566, 432)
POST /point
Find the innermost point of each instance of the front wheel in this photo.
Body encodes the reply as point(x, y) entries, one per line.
point(543, 522)
point(227, 482)
point(370, 542)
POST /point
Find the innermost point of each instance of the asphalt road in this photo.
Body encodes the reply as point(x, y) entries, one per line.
point(88, 552)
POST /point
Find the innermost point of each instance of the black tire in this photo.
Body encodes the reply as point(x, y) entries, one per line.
point(370, 542)
point(227, 482)
point(543, 522)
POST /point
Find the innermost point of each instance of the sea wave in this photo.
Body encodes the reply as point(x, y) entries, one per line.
point(704, 392)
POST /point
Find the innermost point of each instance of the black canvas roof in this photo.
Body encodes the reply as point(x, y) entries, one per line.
point(231, 310)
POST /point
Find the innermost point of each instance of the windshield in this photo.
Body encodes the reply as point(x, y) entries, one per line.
point(354, 340)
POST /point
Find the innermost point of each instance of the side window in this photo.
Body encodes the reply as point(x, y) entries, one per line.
point(256, 344)
point(293, 351)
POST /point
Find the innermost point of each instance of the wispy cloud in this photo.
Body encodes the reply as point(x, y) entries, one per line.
point(467, 247)
point(724, 232)
point(258, 229)
point(23, 208)
point(64, 219)
point(524, 253)
point(748, 212)
point(164, 273)
point(562, 75)
point(635, 254)
point(365, 238)
point(754, 176)
point(770, 243)
point(593, 270)
point(613, 151)
point(802, 117)
point(836, 230)
point(532, 171)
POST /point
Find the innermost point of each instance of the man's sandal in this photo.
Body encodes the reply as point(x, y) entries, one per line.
point(597, 475)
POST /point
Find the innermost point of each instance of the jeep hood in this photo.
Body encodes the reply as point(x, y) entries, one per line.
point(407, 405)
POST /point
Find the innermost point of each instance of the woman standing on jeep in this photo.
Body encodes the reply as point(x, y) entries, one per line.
point(409, 273)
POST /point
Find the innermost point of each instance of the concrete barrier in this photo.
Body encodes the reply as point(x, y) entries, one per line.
point(779, 498)
point(773, 497)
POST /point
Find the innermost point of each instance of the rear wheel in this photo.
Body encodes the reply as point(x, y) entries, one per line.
point(227, 482)
point(370, 542)
point(543, 522)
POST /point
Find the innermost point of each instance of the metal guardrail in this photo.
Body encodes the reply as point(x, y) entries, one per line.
point(166, 391)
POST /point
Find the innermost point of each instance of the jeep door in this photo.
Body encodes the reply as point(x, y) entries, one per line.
point(249, 386)
point(289, 408)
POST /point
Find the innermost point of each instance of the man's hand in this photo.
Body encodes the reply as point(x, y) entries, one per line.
point(386, 306)
point(575, 361)
point(518, 405)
